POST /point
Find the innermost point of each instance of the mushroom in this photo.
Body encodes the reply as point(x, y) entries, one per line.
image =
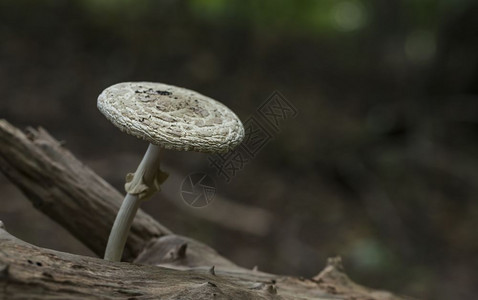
point(167, 117)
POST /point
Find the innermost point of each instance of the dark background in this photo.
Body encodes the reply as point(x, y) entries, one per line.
point(380, 165)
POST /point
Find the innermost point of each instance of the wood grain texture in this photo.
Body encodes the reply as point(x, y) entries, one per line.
point(30, 272)
point(166, 266)
point(69, 192)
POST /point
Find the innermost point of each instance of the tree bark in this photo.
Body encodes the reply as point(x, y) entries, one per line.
point(166, 266)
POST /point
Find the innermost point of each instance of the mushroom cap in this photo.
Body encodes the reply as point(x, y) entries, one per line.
point(171, 117)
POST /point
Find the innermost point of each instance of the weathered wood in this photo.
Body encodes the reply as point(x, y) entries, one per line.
point(30, 272)
point(180, 268)
point(67, 191)
point(171, 250)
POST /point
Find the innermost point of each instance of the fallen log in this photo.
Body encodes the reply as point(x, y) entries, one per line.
point(67, 191)
point(166, 266)
point(30, 272)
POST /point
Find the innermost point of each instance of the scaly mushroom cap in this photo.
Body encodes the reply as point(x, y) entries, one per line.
point(171, 117)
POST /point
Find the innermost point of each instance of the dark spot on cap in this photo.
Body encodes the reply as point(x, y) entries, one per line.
point(163, 93)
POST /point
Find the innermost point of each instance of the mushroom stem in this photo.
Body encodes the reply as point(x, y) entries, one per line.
point(119, 232)
point(139, 186)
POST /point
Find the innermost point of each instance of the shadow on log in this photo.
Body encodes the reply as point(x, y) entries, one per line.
point(166, 266)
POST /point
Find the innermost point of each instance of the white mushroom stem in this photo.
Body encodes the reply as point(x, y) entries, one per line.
point(139, 186)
